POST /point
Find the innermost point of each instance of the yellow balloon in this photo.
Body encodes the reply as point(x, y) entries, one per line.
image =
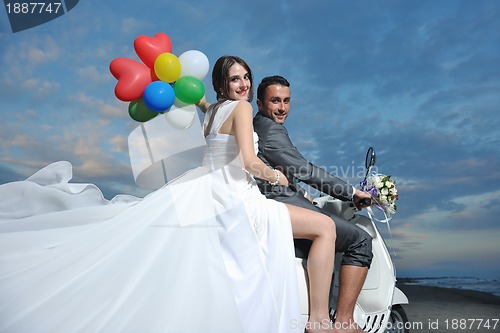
point(167, 67)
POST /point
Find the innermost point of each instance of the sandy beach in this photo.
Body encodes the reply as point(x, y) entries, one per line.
point(434, 309)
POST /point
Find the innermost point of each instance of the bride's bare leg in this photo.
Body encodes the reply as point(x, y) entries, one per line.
point(321, 230)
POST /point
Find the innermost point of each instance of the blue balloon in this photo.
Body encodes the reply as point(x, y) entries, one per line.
point(159, 96)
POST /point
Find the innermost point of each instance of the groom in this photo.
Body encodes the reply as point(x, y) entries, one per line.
point(277, 151)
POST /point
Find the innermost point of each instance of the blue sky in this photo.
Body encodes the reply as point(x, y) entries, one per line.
point(418, 80)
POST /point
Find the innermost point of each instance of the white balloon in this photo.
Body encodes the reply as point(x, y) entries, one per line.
point(194, 63)
point(181, 115)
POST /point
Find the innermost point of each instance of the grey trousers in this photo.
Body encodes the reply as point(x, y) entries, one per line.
point(354, 242)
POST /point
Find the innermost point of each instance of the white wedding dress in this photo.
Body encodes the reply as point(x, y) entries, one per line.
point(205, 253)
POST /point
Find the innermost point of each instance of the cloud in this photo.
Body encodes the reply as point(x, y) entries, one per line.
point(40, 88)
point(441, 247)
point(131, 24)
point(94, 75)
point(98, 107)
point(119, 144)
point(111, 111)
point(21, 58)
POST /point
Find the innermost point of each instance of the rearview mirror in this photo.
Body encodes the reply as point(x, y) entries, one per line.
point(369, 163)
point(370, 158)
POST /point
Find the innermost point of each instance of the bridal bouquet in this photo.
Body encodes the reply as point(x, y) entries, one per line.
point(384, 192)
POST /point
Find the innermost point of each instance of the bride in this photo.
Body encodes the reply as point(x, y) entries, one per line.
point(71, 261)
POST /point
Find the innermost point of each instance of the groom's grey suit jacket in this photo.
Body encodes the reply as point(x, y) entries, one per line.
point(277, 151)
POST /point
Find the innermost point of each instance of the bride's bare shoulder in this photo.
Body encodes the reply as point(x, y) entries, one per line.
point(243, 107)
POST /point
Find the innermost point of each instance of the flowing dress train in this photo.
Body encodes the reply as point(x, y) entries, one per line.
point(205, 253)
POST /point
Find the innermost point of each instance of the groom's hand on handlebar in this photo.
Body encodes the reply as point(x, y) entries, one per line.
point(362, 199)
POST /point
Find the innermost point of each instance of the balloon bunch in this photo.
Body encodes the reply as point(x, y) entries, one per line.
point(164, 82)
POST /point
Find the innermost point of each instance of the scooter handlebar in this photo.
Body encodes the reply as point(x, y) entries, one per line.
point(366, 201)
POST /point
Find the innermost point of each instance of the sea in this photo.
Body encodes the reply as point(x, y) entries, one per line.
point(491, 286)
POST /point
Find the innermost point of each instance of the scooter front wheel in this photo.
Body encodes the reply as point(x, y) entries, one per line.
point(398, 321)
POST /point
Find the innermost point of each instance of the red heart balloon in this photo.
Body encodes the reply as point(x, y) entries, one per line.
point(132, 76)
point(149, 48)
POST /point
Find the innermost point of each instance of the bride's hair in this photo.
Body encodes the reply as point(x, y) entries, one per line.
point(220, 76)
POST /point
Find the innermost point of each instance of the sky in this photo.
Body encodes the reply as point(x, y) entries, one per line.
point(419, 80)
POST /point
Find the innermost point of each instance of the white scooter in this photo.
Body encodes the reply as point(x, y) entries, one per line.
point(379, 306)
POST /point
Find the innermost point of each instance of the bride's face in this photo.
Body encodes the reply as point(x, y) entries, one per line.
point(239, 83)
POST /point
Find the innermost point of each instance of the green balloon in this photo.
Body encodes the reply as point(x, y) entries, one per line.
point(140, 112)
point(189, 89)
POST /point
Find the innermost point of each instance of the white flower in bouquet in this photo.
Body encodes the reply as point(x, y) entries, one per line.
point(377, 182)
point(384, 192)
